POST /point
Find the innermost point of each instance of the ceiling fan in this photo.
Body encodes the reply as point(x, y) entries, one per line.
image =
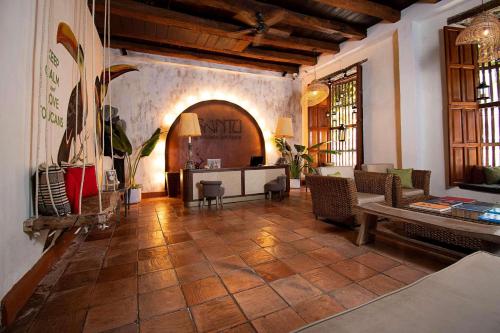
point(259, 25)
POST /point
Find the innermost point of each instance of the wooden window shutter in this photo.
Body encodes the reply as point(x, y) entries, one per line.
point(463, 115)
point(319, 129)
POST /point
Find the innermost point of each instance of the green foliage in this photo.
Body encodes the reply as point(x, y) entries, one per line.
point(301, 159)
point(122, 144)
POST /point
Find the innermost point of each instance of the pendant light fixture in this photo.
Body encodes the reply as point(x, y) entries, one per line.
point(317, 91)
point(484, 31)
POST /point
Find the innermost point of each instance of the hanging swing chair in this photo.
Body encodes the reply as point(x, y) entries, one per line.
point(95, 210)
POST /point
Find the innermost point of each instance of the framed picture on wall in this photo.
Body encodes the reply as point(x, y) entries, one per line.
point(214, 163)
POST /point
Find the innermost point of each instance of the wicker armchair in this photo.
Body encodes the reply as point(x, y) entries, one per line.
point(421, 182)
point(335, 198)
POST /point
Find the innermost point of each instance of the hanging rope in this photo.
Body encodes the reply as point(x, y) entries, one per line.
point(94, 111)
point(48, 145)
point(39, 104)
point(103, 91)
point(109, 92)
point(83, 86)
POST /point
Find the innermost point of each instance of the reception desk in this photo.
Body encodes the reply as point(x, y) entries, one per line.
point(240, 184)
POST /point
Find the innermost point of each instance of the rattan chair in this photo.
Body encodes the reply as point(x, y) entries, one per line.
point(335, 198)
point(421, 182)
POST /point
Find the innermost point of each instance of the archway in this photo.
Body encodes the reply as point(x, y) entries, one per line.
point(229, 133)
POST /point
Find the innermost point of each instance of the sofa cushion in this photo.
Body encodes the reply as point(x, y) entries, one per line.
point(477, 175)
point(377, 167)
point(495, 188)
point(492, 175)
point(364, 198)
point(404, 175)
point(411, 192)
point(345, 171)
point(51, 184)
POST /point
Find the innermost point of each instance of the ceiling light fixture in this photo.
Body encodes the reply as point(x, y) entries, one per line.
point(484, 31)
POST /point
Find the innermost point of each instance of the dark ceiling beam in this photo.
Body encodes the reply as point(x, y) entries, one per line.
point(253, 53)
point(366, 7)
point(138, 11)
point(473, 12)
point(250, 7)
point(199, 56)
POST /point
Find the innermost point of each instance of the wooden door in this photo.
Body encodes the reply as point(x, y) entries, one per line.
point(463, 116)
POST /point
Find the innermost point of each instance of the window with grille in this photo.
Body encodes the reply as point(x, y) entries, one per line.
point(489, 107)
point(339, 119)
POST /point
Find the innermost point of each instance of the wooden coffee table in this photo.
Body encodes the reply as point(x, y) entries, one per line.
point(370, 213)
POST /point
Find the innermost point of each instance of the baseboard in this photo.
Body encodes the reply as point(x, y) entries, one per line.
point(149, 195)
point(19, 294)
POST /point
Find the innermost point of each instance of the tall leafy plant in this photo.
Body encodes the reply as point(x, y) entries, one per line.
point(300, 159)
point(133, 158)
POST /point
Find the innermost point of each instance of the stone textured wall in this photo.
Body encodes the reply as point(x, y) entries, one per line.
point(164, 87)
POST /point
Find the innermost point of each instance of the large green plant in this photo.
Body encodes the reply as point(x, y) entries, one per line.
point(132, 158)
point(301, 159)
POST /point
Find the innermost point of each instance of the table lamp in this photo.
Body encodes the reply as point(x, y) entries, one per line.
point(284, 129)
point(189, 126)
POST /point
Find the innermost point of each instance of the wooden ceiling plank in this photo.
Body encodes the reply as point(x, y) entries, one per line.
point(134, 10)
point(216, 44)
point(251, 7)
point(214, 58)
point(241, 45)
point(366, 7)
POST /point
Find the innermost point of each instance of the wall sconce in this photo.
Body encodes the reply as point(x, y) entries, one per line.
point(482, 91)
point(341, 130)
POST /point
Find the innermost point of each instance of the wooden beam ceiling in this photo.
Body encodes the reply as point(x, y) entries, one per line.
point(366, 7)
point(249, 9)
point(272, 35)
point(194, 55)
point(248, 52)
point(135, 10)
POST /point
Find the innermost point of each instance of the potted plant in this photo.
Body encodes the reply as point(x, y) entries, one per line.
point(133, 158)
point(299, 160)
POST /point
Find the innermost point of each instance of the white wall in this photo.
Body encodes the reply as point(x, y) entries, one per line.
point(17, 252)
point(18, 88)
point(419, 35)
point(164, 87)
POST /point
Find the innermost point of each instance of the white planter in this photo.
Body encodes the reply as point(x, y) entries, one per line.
point(134, 195)
point(294, 183)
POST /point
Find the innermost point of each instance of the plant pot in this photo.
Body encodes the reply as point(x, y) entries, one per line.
point(294, 183)
point(134, 195)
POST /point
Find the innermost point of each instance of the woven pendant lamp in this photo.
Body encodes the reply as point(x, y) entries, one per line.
point(484, 29)
point(316, 93)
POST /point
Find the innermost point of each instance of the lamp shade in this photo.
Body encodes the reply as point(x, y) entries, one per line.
point(316, 93)
point(189, 125)
point(484, 29)
point(284, 128)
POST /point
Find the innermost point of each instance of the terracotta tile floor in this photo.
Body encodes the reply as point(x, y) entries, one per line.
point(260, 266)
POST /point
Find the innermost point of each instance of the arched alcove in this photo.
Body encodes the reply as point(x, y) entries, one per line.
point(229, 133)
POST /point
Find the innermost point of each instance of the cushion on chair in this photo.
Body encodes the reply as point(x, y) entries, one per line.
point(411, 192)
point(345, 171)
point(377, 167)
point(364, 198)
point(404, 175)
point(492, 175)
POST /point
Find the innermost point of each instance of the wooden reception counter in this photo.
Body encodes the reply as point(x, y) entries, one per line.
point(240, 184)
